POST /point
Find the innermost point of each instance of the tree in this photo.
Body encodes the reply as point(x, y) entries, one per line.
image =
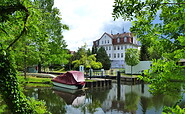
point(83, 57)
point(144, 54)
point(131, 57)
point(21, 22)
point(166, 37)
point(102, 57)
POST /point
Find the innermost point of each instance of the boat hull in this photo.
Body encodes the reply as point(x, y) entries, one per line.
point(68, 86)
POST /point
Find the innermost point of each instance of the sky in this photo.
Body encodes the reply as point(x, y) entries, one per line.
point(88, 20)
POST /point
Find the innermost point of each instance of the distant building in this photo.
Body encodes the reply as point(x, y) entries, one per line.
point(115, 46)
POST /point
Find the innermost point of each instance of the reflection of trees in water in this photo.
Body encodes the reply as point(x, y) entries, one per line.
point(146, 103)
point(54, 103)
point(95, 98)
point(168, 96)
point(131, 101)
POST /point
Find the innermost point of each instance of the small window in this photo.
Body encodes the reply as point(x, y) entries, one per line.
point(118, 55)
point(118, 47)
point(105, 41)
point(114, 55)
point(109, 47)
point(102, 42)
point(118, 40)
point(125, 39)
point(121, 47)
point(125, 47)
point(109, 55)
point(121, 55)
point(108, 41)
point(114, 47)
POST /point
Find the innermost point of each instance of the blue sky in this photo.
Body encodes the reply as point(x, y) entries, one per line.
point(88, 20)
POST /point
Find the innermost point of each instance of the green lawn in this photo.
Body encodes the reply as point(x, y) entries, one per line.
point(34, 81)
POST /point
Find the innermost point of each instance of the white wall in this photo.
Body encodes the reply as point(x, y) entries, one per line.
point(143, 65)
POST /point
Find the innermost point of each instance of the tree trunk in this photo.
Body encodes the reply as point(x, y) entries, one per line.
point(131, 71)
point(25, 65)
point(39, 67)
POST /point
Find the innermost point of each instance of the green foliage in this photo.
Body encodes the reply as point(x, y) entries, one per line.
point(36, 32)
point(84, 57)
point(14, 98)
point(162, 38)
point(132, 57)
point(88, 62)
point(30, 32)
point(39, 106)
point(102, 57)
point(173, 110)
point(144, 54)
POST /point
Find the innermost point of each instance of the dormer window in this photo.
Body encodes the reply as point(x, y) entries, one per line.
point(118, 40)
point(125, 39)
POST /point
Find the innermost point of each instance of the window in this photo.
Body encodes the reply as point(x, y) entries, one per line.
point(125, 47)
point(121, 55)
point(118, 40)
point(106, 48)
point(109, 47)
point(118, 47)
point(108, 41)
point(102, 42)
point(114, 55)
point(118, 55)
point(125, 39)
point(109, 55)
point(114, 47)
point(121, 47)
point(105, 41)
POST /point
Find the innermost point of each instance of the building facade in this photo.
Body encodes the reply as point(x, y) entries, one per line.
point(116, 45)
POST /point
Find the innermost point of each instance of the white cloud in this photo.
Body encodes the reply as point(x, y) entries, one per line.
point(88, 20)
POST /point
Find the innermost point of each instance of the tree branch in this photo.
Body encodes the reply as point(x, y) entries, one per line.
point(24, 29)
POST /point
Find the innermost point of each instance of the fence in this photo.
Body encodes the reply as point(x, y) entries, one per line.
point(102, 72)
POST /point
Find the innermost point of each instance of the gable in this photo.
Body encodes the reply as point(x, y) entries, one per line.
point(105, 39)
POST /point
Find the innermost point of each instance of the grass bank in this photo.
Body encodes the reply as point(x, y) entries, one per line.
point(34, 81)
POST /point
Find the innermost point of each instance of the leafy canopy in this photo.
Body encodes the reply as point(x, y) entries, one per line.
point(132, 57)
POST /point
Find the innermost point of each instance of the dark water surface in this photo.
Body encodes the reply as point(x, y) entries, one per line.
point(126, 99)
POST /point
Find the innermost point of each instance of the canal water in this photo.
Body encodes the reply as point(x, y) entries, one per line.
point(126, 99)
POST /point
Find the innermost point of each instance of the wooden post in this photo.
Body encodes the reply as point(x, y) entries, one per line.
point(118, 85)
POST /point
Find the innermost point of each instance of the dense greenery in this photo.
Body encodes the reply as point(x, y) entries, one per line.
point(159, 25)
point(30, 32)
point(86, 58)
point(102, 57)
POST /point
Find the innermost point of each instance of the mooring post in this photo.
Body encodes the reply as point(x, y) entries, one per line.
point(90, 73)
point(118, 85)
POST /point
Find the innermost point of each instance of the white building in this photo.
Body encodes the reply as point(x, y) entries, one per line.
point(116, 45)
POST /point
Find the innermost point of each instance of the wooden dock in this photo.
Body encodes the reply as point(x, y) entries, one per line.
point(99, 83)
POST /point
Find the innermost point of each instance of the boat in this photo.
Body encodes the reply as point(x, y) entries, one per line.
point(70, 80)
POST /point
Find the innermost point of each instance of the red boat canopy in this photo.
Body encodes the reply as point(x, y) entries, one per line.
point(70, 77)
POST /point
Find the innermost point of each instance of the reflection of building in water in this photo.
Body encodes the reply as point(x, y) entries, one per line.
point(118, 102)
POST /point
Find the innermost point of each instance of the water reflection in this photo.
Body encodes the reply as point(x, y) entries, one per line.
point(71, 97)
point(134, 99)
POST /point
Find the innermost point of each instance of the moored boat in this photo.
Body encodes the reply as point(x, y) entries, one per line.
point(70, 80)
